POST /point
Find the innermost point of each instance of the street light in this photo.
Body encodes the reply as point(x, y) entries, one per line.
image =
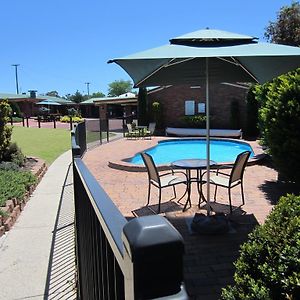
point(16, 71)
point(88, 88)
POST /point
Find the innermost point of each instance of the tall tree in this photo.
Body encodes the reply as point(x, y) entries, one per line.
point(77, 97)
point(142, 107)
point(52, 94)
point(119, 87)
point(98, 95)
point(286, 29)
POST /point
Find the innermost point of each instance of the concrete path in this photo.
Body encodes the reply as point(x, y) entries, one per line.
point(26, 250)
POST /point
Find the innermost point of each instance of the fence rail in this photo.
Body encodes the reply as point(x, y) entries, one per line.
point(117, 259)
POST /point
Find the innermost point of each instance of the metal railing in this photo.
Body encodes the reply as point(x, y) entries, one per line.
point(117, 259)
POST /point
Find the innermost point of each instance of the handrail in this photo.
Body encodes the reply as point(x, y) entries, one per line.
point(104, 208)
point(117, 259)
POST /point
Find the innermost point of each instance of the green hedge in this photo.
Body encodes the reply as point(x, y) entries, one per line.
point(269, 263)
point(14, 184)
point(279, 121)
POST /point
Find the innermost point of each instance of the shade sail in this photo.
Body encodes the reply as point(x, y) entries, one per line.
point(178, 64)
point(48, 102)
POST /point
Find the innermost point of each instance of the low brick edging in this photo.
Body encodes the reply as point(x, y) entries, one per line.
point(13, 207)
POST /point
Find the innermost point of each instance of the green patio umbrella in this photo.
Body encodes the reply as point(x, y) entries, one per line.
point(48, 102)
point(210, 55)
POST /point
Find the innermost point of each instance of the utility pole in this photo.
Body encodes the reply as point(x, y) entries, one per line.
point(88, 88)
point(16, 71)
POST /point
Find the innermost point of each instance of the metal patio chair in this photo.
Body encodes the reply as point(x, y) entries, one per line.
point(234, 178)
point(150, 131)
point(131, 132)
point(165, 180)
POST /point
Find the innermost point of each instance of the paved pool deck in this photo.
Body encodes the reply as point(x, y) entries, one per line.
point(208, 260)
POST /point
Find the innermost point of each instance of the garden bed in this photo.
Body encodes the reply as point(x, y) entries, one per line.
point(13, 207)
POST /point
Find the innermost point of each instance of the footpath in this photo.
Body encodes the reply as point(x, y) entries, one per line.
point(37, 258)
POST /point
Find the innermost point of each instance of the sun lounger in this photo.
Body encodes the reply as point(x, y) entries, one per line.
point(232, 133)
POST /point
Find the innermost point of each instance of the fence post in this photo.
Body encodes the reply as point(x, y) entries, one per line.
point(23, 121)
point(54, 122)
point(107, 129)
point(153, 256)
point(11, 121)
point(71, 123)
point(39, 121)
point(27, 121)
point(100, 130)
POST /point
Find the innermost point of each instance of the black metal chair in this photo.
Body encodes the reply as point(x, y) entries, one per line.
point(234, 178)
point(165, 180)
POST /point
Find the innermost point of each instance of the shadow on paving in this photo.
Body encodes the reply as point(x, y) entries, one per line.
point(273, 190)
point(61, 276)
point(208, 260)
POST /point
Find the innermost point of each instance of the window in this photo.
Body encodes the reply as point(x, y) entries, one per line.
point(201, 108)
point(189, 107)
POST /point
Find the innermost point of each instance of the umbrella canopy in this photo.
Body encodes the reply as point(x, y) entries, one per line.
point(210, 55)
point(48, 102)
point(232, 58)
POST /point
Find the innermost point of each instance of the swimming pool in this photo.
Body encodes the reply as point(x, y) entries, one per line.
point(221, 151)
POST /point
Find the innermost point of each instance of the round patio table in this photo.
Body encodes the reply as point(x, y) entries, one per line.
point(189, 165)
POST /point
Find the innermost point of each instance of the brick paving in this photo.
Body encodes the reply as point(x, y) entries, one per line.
point(208, 260)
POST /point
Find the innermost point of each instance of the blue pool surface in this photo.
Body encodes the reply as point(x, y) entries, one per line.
point(221, 151)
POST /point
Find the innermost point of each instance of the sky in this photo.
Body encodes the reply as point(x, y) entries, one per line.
point(63, 44)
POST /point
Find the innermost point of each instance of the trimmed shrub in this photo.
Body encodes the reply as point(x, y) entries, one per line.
point(269, 262)
point(14, 184)
point(279, 120)
point(66, 119)
point(8, 165)
point(5, 131)
point(197, 121)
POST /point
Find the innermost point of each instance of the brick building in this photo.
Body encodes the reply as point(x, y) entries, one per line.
point(180, 100)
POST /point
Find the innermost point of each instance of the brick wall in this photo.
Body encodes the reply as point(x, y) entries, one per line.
point(173, 100)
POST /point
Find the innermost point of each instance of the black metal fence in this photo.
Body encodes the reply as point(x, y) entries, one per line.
point(117, 259)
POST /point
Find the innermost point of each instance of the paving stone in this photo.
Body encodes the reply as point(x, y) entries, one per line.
point(208, 257)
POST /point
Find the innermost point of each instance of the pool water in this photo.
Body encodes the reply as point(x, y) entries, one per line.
point(221, 151)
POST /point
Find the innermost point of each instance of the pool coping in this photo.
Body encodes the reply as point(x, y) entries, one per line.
point(124, 165)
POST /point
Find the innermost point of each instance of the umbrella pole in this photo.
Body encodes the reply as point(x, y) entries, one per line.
point(207, 139)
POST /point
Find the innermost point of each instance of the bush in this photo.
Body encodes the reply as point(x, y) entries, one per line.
point(252, 114)
point(14, 154)
point(8, 165)
point(269, 264)
point(279, 120)
point(16, 112)
point(14, 184)
point(74, 112)
point(5, 131)
point(197, 121)
point(66, 119)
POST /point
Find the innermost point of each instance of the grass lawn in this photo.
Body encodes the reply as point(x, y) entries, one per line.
point(45, 143)
point(92, 136)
